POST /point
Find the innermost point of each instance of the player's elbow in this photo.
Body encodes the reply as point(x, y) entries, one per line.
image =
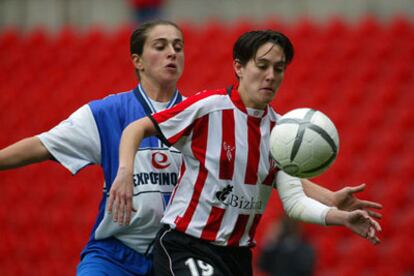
point(294, 208)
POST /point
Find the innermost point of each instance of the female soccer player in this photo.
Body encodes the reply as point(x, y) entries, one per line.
point(91, 135)
point(226, 176)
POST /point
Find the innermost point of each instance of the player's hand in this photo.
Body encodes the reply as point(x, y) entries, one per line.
point(345, 199)
point(120, 198)
point(363, 225)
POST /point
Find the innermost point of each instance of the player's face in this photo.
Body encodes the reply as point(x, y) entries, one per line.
point(261, 77)
point(162, 59)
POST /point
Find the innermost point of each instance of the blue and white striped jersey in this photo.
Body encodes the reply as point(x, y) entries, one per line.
point(91, 135)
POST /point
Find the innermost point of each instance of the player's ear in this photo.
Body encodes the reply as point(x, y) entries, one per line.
point(137, 61)
point(237, 66)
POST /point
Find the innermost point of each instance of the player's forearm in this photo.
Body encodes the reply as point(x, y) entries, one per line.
point(130, 141)
point(295, 202)
point(25, 152)
point(336, 217)
point(317, 192)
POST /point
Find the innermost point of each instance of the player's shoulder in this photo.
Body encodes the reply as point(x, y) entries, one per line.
point(217, 91)
point(114, 98)
point(207, 100)
point(111, 100)
point(208, 94)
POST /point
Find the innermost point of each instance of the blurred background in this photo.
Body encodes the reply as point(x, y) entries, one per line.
point(354, 61)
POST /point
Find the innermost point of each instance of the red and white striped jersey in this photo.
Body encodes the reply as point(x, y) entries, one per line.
point(227, 175)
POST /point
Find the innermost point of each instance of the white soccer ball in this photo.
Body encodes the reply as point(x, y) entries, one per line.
point(304, 143)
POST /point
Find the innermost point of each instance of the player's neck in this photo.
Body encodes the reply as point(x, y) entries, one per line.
point(158, 92)
point(248, 102)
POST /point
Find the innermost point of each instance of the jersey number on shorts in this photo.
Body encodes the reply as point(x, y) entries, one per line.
point(195, 265)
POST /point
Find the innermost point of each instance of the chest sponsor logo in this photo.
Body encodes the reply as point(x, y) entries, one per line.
point(155, 178)
point(159, 160)
point(236, 201)
point(222, 195)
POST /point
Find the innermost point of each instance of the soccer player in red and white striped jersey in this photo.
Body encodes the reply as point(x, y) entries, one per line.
point(216, 126)
point(227, 175)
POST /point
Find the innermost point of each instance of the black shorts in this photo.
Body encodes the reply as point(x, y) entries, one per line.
point(176, 253)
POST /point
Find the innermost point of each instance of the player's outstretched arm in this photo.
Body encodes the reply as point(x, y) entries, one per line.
point(357, 221)
point(318, 192)
point(120, 195)
point(22, 153)
point(343, 199)
point(298, 205)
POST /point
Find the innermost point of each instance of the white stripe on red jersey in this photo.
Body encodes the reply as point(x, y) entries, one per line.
point(228, 175)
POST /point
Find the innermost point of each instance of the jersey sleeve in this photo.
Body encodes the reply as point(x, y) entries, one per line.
point(75, 142)
point(178, 121)
point(296, 203)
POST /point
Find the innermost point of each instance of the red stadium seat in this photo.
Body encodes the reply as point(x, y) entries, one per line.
point(401, 27)
point(399, 253)
point(326, 251)
point(336, 29)
point(9, 38)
